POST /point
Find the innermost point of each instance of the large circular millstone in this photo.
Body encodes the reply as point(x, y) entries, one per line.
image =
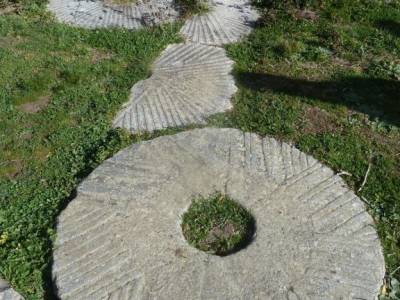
point(226, 22)
point(7, 293)
point(120, 238)
point(190, 82)
point(113, 13)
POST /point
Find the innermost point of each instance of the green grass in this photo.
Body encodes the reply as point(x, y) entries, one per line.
point(86, 75)
point(191, 7)
point(217, 225)
point(328, 85)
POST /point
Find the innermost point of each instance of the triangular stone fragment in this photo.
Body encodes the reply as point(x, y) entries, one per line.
point(226, 22)
point(190, 82)
point(7, 293)
point(120, 238)
point(108, 13)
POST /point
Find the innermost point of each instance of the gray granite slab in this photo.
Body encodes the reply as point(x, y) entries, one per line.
point(7, 293)
point(189, 83)
point(226, 22)
point(106, 14)
point(120, 238)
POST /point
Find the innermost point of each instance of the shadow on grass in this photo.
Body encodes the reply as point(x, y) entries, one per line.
point(51, 290)
point(378, 98)
point(390, 26)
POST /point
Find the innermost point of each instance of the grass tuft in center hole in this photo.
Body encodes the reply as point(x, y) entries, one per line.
point(192, 7)
point(217, 225)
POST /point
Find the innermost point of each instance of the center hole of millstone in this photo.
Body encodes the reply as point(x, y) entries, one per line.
point(218, 225)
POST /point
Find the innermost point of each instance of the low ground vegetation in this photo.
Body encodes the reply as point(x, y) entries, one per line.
point(59, 89)
point(217, 225)
point(190, 7)
point(322, 75)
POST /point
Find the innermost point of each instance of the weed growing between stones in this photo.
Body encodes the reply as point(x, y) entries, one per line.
point(87, 75)
point(192, 7)
point(48, 158)
point(217, 225)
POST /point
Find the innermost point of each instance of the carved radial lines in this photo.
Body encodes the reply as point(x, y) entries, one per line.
point(189, 83)
point(120, 238)
point(104, 14)
point(226, 22)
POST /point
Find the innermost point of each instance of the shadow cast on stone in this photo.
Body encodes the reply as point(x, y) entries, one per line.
point(378, 98)
point(390, 26)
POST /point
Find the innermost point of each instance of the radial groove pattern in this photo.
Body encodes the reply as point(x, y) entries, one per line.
point(120, 238)
point(189, 83)
point(103, 13)
point(226, 22)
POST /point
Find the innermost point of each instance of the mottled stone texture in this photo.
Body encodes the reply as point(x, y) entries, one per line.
point(7, 293)
point(226, 22)
point(101, 14)
point(120, 238)
point(189, 83)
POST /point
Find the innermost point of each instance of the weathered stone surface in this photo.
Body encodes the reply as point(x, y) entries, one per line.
point(227, 22)
point(7, 293)
point(190, 82)
point(120, 238)
point(100, 13)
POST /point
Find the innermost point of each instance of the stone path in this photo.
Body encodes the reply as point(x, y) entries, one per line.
point(105, 14)
point(121, 238)
point(171, 97)
point(189, 83)
point(7, 293)
point(227, 22)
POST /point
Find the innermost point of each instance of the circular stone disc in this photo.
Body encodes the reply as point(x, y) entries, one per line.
point(101, 14)
point(189, 83)
point(226, 22)
point(120, 238)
